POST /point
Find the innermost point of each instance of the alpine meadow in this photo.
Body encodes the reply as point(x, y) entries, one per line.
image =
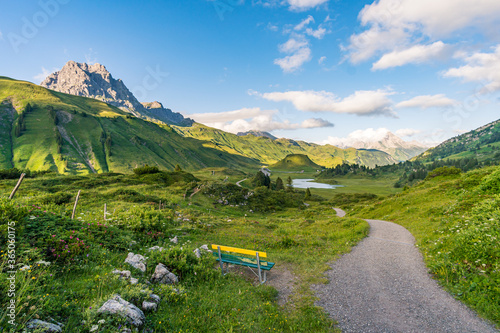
point(250, 166)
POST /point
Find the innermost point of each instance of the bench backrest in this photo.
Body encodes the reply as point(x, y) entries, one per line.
point(237, 250)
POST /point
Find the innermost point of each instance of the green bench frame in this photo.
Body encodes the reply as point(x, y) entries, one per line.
point(252, 262)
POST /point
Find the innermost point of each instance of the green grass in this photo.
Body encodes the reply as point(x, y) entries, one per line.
point(74, 286)
point(296, 162)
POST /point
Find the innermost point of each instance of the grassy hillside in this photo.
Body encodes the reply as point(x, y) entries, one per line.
point(482, 143)
point(47, 130)
point(300, 240)
point(269, 151)
point(296, 162)
point(455, 219)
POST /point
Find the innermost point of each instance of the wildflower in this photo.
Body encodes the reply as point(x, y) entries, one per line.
point(94, 328)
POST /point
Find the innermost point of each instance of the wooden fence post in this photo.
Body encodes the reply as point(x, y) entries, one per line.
point(17, 185)
point(76, 203)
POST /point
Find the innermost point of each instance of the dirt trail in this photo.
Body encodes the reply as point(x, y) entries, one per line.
point(383, 286)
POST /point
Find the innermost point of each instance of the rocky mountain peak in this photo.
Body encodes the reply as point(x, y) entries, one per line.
point(153, 105)
point(95, 81)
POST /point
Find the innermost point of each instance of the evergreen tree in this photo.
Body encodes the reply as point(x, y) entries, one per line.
point(260, 179)
point(308, 194)
point(289, 182)
point(279, 184)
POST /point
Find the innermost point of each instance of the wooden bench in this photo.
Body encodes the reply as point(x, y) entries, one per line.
point(254, 261)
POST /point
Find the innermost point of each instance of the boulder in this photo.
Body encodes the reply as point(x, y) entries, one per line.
point(149, 306)
point(197, 253)
point(163, 275)
point(154, 298)
point(124, 274)
point(174, 240)
point(119, 306)
point(156, 248)
point(133, 280)
point(42, 326)
point(136, 261)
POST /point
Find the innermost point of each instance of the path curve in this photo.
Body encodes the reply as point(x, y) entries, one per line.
point(239, 181)
point(383, 286)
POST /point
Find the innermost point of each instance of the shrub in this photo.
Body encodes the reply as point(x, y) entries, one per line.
point(146, 170)
point(491, 183)
point(443, 171)
point(57, 198)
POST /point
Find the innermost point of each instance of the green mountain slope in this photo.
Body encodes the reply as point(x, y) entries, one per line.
point(295, 162)
point(482, 143)
point(46, 130)
point(269, 151)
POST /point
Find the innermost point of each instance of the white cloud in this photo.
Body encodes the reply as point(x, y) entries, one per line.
point(363, 102)
point(321, 60)
point(227, 116)
point(318, 33)
point(305, 4)
point(396, 23)
point(41, 76)
point(427, 101)
point(416, 54)
point(358, 138)
point(408, 132)
point(298, 46)
point(293, 44)
point(272, 27)
point(247, 119)
point(304, 23)
point(1, 35)
point(293, 62)
point(482, 67)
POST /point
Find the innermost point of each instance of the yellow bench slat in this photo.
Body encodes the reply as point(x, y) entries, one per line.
point(237, 250)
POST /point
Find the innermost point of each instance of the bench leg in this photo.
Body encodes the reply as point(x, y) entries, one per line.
point(220, 261)
point(260, 271)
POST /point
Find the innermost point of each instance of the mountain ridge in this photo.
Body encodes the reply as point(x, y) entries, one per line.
point(95, 81)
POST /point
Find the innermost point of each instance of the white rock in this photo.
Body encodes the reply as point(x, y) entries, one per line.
point(154, 298)
point(204, 247)
point(136, 261)
point(133, 280)
point(197, 253)
point(156, 248)
point(174, 240)
point(119, 306)
point(163, 275)
point(149, 306)
point(41, 262)
point(42, 326)
point(123, 274)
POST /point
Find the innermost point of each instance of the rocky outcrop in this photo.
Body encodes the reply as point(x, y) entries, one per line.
point(163, 275)
point(136, 261)
point(157, 111)
point(95, 81)
point(119, 306)
point(92, 81)
point(42, 326)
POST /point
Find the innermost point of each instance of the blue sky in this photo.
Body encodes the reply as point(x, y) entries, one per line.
point(326, 71)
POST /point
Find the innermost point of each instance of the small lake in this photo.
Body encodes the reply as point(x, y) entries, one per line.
point(310, 183)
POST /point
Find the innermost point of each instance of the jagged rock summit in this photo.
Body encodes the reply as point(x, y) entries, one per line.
point(95, 81)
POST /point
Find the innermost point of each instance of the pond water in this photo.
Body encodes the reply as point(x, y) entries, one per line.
point(305, 183)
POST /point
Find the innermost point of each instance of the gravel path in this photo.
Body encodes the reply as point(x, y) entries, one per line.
point(383, 286)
